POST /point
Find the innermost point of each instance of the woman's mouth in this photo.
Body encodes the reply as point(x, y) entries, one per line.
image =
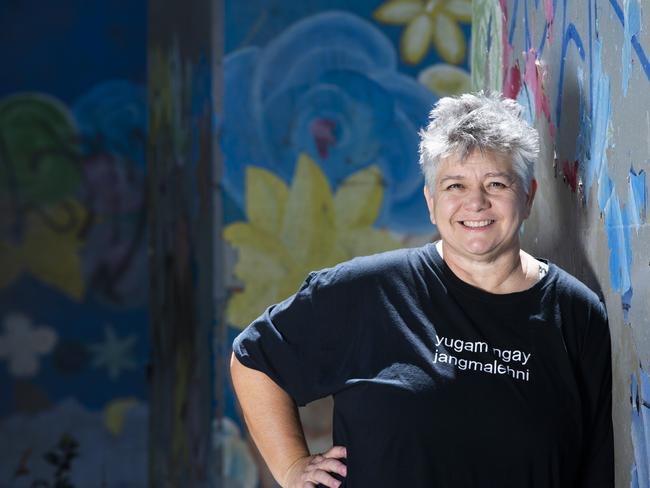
point(476, 224)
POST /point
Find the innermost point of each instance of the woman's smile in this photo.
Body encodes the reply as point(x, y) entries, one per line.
point(477, 224)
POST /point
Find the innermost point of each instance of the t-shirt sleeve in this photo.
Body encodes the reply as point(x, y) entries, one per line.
point(304, 343)
point(596, 385)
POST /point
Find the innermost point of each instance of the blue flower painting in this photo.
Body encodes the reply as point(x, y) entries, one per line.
point(327, 86)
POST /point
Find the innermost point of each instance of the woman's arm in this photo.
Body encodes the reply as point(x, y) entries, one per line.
point(596, 391)
point(274, 424)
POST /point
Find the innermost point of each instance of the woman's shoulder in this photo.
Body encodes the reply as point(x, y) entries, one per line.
point(571, 288)
point(388, 265)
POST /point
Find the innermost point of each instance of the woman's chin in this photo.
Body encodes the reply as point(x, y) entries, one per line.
point(478, 247)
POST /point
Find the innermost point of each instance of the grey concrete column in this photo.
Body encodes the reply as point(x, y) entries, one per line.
point(184, 222)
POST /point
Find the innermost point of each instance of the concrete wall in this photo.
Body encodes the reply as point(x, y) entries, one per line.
point(580, 67)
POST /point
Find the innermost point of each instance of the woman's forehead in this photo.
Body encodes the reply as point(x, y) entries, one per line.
point(477, 161)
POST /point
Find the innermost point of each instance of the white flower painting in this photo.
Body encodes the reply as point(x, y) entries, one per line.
point(21, 344)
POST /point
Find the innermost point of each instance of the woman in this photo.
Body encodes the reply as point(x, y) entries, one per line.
point(464, 363)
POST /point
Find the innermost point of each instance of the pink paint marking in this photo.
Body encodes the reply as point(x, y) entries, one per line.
point(504, 37)
point(531, 77)
point(513, 84)
point(548, 11)
point(322, 130)
point(570, 172)
point(534, 78)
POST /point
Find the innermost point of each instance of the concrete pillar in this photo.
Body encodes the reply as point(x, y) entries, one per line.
point(184, 218)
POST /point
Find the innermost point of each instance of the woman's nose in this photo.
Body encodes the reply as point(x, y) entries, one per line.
point(476, 199)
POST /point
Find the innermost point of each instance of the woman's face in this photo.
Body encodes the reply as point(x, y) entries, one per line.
point(479, 204)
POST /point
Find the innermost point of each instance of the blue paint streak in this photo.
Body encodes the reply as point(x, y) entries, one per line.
point(631, 27)
point(617, 10)
point(527, 36)
point(600, 111)
point(626, 296)
point(570, 34)
point(489, 30)
point(513, 22)
point(563, 15)
point(584, 125)
point(529, 106)
point(558, 111)
point(542, 44)
point(626, 304)
point(618, 240)
point(642, 57)
point(635, 41)
point(637, 197)
point(645, 388)
point(591, 66)
point(605, 187)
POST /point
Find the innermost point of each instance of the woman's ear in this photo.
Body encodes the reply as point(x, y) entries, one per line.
point(531, 196)
point(430, 204)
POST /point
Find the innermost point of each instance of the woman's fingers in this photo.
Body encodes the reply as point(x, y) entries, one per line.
point(336, 452)
point(324, 478)
point(328, 464)
point(310, 471)
point(321, 465)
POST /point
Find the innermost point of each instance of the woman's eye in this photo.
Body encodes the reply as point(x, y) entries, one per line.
point(496, 184)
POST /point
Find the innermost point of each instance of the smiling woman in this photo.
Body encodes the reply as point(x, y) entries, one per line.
point(478, 205)
point(407, 340)
point(478, 156)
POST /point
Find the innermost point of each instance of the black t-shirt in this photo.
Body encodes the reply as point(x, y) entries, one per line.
point(439, 384)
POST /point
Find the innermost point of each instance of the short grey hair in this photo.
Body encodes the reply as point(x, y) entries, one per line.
point(478, 121)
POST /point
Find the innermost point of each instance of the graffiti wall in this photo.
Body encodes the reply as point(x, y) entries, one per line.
point(73, 263)
point(582, 72)
point(322, 106)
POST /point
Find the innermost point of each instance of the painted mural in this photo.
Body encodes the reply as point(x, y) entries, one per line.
point(73, 263)
point(581, 70)
point(322, 107)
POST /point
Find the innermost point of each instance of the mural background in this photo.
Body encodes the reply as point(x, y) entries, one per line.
point(322, 104)
point(581, 69)
point(73, 268)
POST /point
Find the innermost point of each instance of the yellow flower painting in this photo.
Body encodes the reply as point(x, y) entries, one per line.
point(294, 230)
point(49, 250)
point(445, 80)
point(428, 21)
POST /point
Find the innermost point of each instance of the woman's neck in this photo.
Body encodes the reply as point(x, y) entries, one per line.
point(509, 272)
